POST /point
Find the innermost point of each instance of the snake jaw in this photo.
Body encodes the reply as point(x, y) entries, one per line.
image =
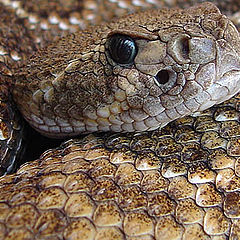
point(181, 182)
point(74, 86)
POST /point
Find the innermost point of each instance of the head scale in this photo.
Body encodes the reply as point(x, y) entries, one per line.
point(135, 74)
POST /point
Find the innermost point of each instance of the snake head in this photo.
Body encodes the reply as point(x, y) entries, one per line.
point(137, 73)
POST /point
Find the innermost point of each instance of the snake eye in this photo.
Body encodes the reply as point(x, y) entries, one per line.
point(122, 49)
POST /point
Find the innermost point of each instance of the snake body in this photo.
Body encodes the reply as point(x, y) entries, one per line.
point(178, 182)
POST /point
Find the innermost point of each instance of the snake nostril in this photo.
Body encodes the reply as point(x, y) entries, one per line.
point(185, 47)
point(162, 77)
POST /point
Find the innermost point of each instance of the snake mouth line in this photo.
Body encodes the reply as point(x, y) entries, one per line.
point(134, 74)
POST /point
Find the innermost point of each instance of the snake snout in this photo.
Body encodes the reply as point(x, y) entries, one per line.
point(228, 60)
point(131, 77)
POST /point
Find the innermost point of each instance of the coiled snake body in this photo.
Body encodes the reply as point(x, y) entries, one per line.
point(135, 74)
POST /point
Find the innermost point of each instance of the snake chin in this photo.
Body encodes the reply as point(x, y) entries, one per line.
point(132, 79)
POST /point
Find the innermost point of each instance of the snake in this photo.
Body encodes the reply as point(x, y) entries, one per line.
point(160, 81)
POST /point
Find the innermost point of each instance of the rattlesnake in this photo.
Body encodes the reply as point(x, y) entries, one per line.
point(180, 181)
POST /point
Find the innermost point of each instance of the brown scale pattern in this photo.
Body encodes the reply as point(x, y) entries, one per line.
point(179, 182)
point(169, 184)
point(26, 26)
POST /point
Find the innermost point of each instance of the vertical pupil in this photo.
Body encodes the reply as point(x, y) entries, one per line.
point(124, 49)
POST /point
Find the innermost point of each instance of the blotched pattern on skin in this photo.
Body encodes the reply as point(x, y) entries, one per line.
point(179, 183)
point(74, 86)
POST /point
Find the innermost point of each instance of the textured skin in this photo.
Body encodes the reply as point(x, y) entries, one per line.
point(179, 182)
point(73, 86)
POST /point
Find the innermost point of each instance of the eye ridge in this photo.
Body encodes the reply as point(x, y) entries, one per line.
point(122, 49)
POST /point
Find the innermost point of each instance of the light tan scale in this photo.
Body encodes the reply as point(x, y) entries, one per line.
point(85, 190)
point(178, 182)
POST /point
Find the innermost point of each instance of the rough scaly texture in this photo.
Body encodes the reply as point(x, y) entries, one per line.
point(181, 182)
point(186, 61)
